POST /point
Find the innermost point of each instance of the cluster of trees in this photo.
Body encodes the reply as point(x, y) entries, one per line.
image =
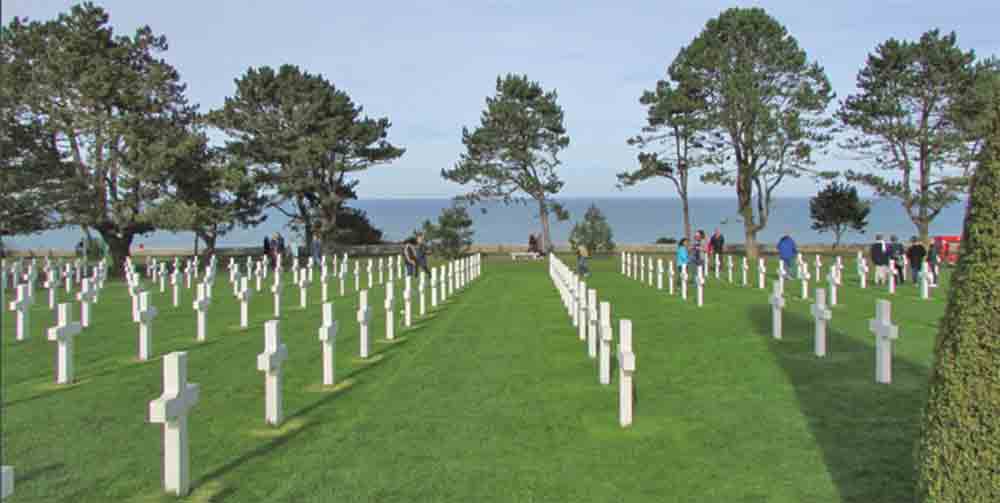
point(742, 105)
point(97, 132)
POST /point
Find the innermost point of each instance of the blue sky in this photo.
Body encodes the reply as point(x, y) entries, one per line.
point(429, 65)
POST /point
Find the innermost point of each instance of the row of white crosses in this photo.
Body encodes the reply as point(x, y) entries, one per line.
point(881, 326)
point(928, 274)
point(635, 267)
point(445, 278)
point(593, 321)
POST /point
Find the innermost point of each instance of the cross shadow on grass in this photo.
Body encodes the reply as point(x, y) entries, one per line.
point(866, 431)
point(263, 450)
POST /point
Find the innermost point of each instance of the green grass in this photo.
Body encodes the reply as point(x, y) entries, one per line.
point(490, 398)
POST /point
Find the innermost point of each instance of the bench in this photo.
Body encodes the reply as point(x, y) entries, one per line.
point(528, 255)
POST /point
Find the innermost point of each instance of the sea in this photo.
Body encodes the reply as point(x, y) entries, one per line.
point(633, 220)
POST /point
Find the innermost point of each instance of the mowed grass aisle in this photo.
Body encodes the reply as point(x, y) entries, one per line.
point(491, 398)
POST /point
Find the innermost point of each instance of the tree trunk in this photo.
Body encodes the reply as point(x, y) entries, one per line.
point(210, 239)
point(543, 215)
point(118, 247)
point(687, 216)
point(924, 230)
point(751, 242)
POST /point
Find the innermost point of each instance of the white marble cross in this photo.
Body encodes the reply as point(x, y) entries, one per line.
point(303, 288)
point(201, 307)
point(381, 271)
point(831, 279)
point(581, 306)
point(63, 335)
point(862, 271)
point(162, 276)
point(761, 272)
point(592, 323)
point(659, 274)
point(729, 267)
point(821, 315)
point(6, 481)
point(364, 317)
point(370, 263)
point(649, 270)
point(390, 304)
point(623, 263)
point(328, 338)
point(276, 289)
point(626, 370)
point(745, 267)
point(51, 284)
point(777, 305)
point(892, 276)
point(604, 366)
point(885, 332)
point(23, 308)
point(684, 282)
point(147, 314)
point(670, 274)
point(342, 276)
point(407, 302)
point(244, 298)
point(699, 281)
point(642, 269)
point(270, 362)
point(175, 287)
point(86, 296)
point(804, 276)
point(819, 267)
point(925, 283)
point(171, 410)
point(357, 275)
point(434, 287)
point(421, 289)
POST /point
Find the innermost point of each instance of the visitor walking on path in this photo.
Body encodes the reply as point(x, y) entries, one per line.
point(582, 254)
point(787, 252)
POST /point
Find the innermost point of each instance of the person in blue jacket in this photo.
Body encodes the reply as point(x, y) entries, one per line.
point(682, 255)
point(787, 251)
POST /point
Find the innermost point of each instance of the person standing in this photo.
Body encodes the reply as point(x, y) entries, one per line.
point(317, 251)
point(916, 254)
point(682, 254)
point(698, 250)
point(410, 256)
point(281, 248)
point(582, 254)
point(880, 258)
point(421, 251)
point(718, 242)
point(267, 251)
point(896, 253)
point(787, 251)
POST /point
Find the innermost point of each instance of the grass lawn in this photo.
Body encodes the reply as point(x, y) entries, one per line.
point(490, 398)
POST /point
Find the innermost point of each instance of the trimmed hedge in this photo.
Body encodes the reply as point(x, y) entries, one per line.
point(958, 454)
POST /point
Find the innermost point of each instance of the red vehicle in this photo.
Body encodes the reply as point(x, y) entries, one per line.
point(948, 247)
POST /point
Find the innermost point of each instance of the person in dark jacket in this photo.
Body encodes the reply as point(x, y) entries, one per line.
point(896, 253)
point(698, 249)
point(718, 242)
point(788, 251)
point(267, 251)
point(916, 254)
point(880, 258)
